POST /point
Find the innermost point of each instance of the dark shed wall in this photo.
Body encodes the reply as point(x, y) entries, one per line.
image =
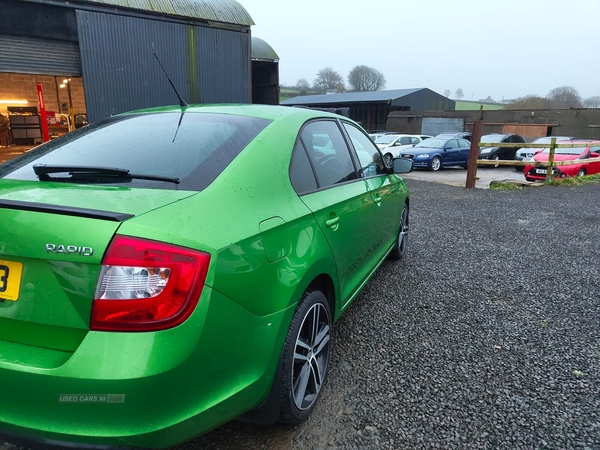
point(584, 123)
point(120, 72)
point(18, 18)
point(425, 100)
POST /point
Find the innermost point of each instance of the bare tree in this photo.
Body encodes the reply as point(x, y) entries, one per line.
point(530, 102)
point(459, 93)
point(447, 93)
point(592, 102)
point(365, 78)
point(328, 80)
point(302, 84)
point(565, 97)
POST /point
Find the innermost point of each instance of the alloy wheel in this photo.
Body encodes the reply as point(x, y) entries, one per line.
point(403, 236)
point(311, 355)
point(436, 163)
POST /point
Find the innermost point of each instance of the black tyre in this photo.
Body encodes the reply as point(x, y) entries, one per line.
point(305, 357)
point(496, 157)
point(402, 240)
point(436, 163)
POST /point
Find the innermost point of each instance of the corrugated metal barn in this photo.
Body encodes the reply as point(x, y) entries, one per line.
point(204, 45)
point(371, 109)
point(265, 73)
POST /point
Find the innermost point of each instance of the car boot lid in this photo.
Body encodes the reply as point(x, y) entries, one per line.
point(122, 201)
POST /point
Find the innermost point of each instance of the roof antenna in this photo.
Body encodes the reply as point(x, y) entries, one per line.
point(182, 102)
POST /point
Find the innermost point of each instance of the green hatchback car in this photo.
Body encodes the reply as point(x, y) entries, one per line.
point(167, 270)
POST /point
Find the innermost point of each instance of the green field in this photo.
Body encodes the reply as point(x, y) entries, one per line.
point(468, 106)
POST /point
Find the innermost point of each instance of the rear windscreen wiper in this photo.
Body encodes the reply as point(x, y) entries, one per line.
point(43, 170)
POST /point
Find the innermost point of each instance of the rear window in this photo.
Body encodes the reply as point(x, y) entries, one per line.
point(493, 139)
point(193, 147)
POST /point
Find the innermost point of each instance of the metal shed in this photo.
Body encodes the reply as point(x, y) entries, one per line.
point(372, 108)
point(265, 73)
point(203, 44)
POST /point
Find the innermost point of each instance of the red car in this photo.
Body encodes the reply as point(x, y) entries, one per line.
point(533, 173)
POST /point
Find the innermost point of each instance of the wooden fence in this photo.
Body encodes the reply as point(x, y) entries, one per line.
point(550, 163)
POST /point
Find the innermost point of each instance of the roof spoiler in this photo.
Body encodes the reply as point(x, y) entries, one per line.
point(341, 111)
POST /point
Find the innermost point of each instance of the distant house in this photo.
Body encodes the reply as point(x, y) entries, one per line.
point(372, 108)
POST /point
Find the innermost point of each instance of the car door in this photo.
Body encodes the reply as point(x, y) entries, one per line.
point(450, 153)
point(464, 149)
point(342, 204)
point(593, 167)
point(383, 189)
point(508, 153)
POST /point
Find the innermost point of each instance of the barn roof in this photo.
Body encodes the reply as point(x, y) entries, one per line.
point(351, 97)
point(261, 51)
point(227, 11)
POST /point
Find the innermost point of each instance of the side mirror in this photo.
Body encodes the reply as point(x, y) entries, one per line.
point(402, 165)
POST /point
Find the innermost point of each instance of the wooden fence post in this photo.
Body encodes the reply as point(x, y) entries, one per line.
point(474, 154)
point(551, 160)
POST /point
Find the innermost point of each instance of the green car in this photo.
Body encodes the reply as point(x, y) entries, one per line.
point(167, 270)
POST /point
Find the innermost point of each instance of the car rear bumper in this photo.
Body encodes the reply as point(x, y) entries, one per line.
point(149, 390)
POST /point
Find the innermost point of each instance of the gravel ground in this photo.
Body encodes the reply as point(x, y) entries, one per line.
point(486, 336)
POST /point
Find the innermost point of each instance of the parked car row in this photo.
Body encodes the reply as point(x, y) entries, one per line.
point(453, 149)
point(391, 145)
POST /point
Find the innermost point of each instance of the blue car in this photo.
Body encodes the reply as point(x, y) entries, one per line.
point(435, 153)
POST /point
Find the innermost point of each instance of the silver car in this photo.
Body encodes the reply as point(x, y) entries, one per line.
point(391, 145)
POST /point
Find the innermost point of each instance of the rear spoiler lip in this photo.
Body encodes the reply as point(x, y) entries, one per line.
point(65, 210)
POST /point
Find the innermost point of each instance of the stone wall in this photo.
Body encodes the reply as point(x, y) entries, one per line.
point(584, 123)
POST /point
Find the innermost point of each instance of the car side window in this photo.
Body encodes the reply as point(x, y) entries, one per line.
point(415, 140)
point(301, 173)
point(328, 152)
point(464, 143)
point(405, 140)
point(452, 144)
point(371, 162)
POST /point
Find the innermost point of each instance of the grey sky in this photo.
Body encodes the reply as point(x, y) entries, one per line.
point(507, 48)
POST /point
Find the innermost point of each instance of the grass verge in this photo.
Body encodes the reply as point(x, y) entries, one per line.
point(574, 181)
point(505, 186)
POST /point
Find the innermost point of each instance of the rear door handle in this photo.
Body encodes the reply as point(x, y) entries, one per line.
point(378, 199)
point(331, 223)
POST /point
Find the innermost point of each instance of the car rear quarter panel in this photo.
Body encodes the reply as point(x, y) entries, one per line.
point(225, 220)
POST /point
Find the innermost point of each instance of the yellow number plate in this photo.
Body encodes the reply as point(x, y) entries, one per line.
point(10, 279)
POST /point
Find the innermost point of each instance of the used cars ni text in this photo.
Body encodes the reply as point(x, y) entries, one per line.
point(167, 270)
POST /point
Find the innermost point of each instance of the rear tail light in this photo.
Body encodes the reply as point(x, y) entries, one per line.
point(147, 285)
